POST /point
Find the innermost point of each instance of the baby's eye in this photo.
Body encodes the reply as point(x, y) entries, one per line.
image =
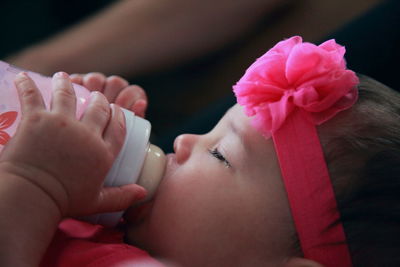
point(216, 154)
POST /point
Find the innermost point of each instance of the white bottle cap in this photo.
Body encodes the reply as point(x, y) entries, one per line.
point(129, 163)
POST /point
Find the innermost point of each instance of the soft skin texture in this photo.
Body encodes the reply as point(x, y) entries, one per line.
point(54, 166)
point(116, 89)
point(209, 212)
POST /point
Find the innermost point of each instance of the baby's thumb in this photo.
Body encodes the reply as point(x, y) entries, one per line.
point(119, 198)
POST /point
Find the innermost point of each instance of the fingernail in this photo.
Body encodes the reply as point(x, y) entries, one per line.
point(22, 74)
point(142, 103)
point(93, 96)
point(141, 193)
point(61, 74)
point(137, 109)
point(20, 78)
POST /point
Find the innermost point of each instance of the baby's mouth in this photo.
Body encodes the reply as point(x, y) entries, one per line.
point(171, 164)
point(137, 213)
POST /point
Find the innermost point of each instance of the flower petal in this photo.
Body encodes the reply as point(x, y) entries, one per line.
point(300, 75)
point(7, 119)
point(4, 137)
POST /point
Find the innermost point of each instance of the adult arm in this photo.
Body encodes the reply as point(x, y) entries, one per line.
point(132, 37)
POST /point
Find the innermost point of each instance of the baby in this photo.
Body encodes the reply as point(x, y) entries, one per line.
point(302, 172)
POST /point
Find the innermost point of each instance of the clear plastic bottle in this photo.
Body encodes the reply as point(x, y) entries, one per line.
point(138, 161)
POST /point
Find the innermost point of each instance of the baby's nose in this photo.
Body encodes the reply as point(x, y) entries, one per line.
point(183, 146)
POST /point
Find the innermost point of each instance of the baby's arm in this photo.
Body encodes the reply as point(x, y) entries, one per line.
point(116, 89)
point(54, 167)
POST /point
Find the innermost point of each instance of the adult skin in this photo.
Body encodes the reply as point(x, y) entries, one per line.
point(131, 37)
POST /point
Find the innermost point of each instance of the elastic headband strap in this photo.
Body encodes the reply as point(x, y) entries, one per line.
point(288, 91)
point(310, 193)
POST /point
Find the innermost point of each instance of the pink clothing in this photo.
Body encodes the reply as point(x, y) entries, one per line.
point(78, 244)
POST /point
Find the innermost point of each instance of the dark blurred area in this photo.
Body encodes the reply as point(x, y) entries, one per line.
point(25, 22)
point(372, 43)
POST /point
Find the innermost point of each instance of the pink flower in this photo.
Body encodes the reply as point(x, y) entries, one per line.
point(295, 75)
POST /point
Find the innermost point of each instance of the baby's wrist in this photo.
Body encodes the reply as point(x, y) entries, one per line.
point(35, 184)
point(29, 219)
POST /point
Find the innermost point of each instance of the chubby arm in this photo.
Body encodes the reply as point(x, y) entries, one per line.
point(132, 37)
point(54, 168)
point(28, 221)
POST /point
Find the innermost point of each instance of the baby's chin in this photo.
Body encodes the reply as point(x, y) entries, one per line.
point(135, 221)
point(138, 215)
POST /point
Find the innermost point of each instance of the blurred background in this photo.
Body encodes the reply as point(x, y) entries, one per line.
point(187, 54)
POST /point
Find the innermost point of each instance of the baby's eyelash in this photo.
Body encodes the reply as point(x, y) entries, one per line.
point(215, 153)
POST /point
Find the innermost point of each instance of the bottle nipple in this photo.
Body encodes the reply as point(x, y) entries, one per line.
point(152, 170)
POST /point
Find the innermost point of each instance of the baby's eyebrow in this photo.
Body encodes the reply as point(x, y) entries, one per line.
point(238, 133)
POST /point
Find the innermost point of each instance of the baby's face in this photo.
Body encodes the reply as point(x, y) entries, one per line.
point(221, 202)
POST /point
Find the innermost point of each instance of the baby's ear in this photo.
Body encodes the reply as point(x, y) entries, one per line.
point(301, 262)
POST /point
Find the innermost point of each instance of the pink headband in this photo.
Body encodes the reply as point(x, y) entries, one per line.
point(289, 90)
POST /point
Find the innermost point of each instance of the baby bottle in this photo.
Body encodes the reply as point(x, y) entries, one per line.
point(138, 161)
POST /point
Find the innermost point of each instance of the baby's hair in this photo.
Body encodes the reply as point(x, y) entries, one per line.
point(362, 150)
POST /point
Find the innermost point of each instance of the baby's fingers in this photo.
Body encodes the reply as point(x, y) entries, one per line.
point(114, 135)
point(63, 97)
point(114, 85)
point(77, 78)
point(133, 98)
point(97, 114)
point(113, 199)
point(29, 95)
point(94, 81)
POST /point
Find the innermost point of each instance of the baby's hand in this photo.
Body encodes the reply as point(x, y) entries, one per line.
point(68, 158)
point(116, 89)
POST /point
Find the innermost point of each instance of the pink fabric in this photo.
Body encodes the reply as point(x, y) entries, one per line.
point(310, 193)
point(296, 75)
point(288, 91)
point(81, 244)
